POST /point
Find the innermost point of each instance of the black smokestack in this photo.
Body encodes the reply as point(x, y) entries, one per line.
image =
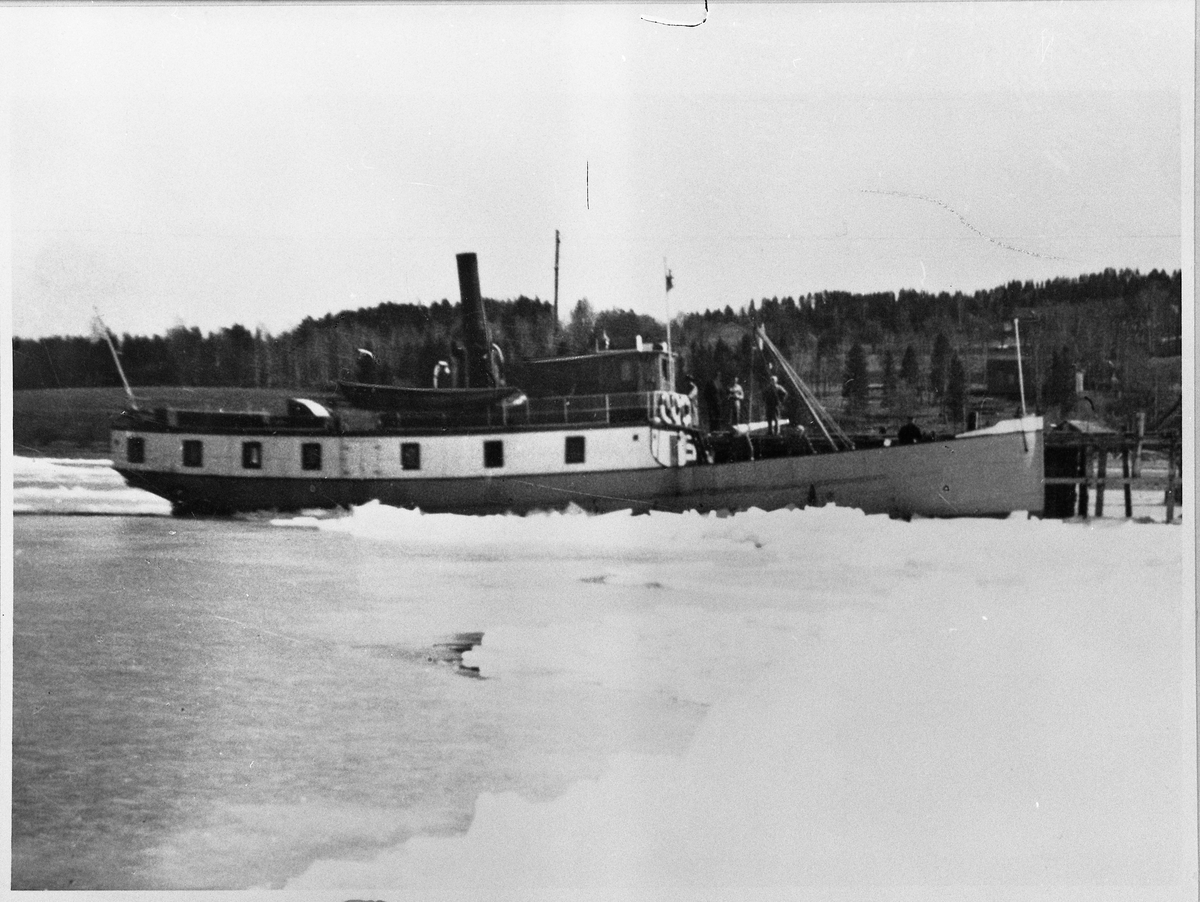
point(477, 337)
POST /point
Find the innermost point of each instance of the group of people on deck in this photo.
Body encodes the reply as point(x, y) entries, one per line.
point(775, 397)
point(727, 407)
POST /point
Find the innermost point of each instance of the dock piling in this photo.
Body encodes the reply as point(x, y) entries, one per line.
point(1127, 487)
point(1084, 454)
point(1141, 435)
point(1171, 481)
point(1077, 464)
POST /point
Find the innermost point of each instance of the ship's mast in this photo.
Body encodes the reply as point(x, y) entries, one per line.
point(669, 280)
point(556, 244)
point(1020, 380)
point(98, 326)
point(1020, 370)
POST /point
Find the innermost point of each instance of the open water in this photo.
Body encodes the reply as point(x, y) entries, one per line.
point(217, 703)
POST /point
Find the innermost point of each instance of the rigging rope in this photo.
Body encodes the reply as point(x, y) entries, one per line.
point(834, 434)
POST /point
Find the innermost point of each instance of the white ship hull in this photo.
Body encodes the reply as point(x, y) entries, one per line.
point(597, 468)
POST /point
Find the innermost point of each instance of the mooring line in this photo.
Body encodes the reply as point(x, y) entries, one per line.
point(551, 488)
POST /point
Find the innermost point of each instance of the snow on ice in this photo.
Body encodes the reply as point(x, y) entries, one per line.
point(973, 703)
point(43, 485)
point(934, 709)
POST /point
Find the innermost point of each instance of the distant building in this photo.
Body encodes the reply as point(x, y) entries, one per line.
point(1000, 374)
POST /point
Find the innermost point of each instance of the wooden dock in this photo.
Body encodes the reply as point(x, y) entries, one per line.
point(1081, 466)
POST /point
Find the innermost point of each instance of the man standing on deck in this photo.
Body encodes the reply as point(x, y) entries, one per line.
point(910, 433)
point(693, 393)
point(736, 396)
point(712, 402)
point(774, 397)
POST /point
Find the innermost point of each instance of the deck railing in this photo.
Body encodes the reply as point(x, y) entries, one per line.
point(627, 407)
point(603, 409)
point(608, 409)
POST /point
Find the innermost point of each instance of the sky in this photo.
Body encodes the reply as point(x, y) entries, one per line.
point(208, 165)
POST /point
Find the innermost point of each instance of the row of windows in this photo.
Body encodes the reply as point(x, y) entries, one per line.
point(310, 453)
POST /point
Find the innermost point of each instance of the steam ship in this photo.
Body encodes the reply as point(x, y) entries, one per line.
point(602, 431)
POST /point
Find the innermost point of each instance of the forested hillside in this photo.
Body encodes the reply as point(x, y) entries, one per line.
point(890, 351)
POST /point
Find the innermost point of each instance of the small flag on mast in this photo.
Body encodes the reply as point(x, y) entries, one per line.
point(670, 280)
point(99, 330)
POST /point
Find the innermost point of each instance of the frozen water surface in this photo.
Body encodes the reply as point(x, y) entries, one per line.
point(672, 706)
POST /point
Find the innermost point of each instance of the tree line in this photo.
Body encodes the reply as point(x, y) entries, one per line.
point(916, 349)
point(904, 348)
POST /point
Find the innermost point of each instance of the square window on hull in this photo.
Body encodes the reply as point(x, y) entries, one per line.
point(135, 450)
point(310, 456)
point(193, 453)
point(410, 455)
point(575, 449)
point(251, 455)
point(493, 454)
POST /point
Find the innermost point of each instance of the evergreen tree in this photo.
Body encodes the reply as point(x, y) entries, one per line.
point(854, 381)
point(938, 363)
point(956, 390)
point(828, 348)
point(581, 328)
point(910, 370)
point(1059, 390)
point(889, 379)
point(1066, 387)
